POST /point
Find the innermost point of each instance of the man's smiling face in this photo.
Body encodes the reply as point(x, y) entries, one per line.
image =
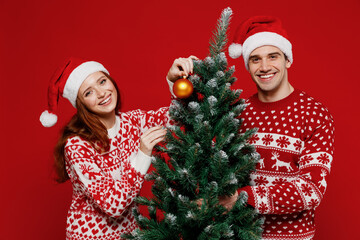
point(268, 69)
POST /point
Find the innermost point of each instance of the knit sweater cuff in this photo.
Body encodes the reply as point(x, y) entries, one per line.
point(141, 162)
point(251, 199)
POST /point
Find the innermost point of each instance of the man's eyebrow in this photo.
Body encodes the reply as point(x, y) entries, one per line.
point(274, 53)
point(254, 56)
point(257, 56)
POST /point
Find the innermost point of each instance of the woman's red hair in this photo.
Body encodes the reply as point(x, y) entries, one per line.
point(86, 125)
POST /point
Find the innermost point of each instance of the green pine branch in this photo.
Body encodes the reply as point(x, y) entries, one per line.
point(219, 40)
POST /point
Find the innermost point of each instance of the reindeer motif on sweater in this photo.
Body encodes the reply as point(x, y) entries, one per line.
point(279, 163)
point(87, 170)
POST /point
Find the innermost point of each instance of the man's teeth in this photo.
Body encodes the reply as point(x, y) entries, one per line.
point(105, 101)
point(266, 76)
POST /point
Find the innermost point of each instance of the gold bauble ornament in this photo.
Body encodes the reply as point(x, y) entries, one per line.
point(183, 88)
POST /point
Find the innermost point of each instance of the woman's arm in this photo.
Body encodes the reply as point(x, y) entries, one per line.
point(112, 196)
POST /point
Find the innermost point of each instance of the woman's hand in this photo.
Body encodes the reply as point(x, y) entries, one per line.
point(181, 67)
point(150, 138)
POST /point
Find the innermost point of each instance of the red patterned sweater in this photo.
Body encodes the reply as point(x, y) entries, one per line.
point(105, 185)
point(295, 140)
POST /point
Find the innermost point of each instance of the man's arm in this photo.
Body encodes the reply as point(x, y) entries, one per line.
point(307, 190)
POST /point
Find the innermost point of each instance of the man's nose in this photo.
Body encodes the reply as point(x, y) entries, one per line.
point(265, 66)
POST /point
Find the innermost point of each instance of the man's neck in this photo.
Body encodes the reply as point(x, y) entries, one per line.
point(276, 95)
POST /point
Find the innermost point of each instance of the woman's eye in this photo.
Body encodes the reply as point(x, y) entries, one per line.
point(87, 93)
point(103, 81)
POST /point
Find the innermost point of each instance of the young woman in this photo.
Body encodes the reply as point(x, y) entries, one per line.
point(104, 152)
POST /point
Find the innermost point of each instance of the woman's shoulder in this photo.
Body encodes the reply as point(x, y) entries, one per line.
point(78, 142)
point(131, 116)
point(130, 113)
point(138, 113)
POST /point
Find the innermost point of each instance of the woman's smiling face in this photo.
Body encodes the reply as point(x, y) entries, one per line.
point(98, 94)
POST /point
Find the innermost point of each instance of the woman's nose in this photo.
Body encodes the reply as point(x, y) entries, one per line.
point(100, 93)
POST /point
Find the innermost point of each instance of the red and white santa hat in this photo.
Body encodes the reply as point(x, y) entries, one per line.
point(65, 83)
point(259, 31)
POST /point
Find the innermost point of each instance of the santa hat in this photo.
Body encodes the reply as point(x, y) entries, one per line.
point(256, 32)
point(66, 82)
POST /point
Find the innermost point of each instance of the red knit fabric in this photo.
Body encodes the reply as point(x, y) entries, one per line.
point(105, 185)
point(295, 140)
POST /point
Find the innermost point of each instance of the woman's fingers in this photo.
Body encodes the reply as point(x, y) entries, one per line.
point(157, 140)
point(181, 67)
point(191, 58)
point(154, 135)
point(150, 130)
point(150, 138)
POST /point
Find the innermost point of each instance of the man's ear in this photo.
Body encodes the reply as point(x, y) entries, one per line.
point(288, 63)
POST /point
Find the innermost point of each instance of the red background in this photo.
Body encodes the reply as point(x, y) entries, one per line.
point(137, 42)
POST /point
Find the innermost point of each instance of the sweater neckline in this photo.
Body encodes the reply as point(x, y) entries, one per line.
point(114, 129)
point(254, 99)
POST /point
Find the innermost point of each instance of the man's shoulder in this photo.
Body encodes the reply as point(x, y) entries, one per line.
point(312, 106)
point(298, 101)
point(311, 101)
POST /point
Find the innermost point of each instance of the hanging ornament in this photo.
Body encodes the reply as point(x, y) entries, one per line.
point(183, 88)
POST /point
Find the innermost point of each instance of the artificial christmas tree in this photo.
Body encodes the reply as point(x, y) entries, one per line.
point(204, 158)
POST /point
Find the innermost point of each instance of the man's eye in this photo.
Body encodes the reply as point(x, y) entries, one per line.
point(273, 56)
point(254, 60)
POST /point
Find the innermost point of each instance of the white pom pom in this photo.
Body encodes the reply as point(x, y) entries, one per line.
point(235, 50)
point(48, 119)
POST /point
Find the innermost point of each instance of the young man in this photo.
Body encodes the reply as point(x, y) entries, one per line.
point(295, 134)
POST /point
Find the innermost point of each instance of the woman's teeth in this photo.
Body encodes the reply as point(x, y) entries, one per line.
point(105, 101)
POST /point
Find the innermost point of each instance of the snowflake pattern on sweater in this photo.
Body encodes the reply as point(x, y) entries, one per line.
point(295, 139)
point(105, 185)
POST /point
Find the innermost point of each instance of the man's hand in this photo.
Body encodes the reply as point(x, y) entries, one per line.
point(181, 67)
point(228, 202)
